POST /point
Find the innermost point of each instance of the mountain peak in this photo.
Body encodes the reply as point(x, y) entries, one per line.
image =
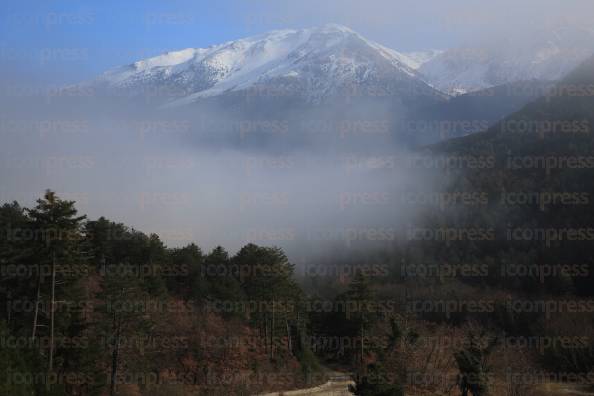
point(335, 27)
point(314, 62)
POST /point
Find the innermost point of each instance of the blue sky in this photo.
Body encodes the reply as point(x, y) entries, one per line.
point(69, 40)
point(83, 38)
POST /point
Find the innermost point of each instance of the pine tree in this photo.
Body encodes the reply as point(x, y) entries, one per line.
point(12, 367)
point(184, 272)
point(58, 233)
point(266, 275)
point(121, 315)
point(15, 253)
point(360, 296)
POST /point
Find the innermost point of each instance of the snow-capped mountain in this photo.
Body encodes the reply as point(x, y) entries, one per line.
point(323, 63)
point(315, 64)
point(549, 55)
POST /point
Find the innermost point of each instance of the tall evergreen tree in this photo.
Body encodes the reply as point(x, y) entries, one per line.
point(58, 233)
point(360, 297)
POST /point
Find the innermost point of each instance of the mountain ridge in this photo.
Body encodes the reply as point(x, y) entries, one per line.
point(547, 55)
point(321, 62)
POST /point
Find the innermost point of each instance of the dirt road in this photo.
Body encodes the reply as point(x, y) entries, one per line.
point(337, 385)
point(554, 389)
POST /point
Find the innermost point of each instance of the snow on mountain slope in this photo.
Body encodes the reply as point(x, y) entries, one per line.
point(419, 58)
point(549, 55)
point(329, 61)
point(315, 63)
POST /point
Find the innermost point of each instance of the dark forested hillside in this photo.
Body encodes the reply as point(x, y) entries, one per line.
point(470, 113)
point(539, 175)
point(94, 307)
